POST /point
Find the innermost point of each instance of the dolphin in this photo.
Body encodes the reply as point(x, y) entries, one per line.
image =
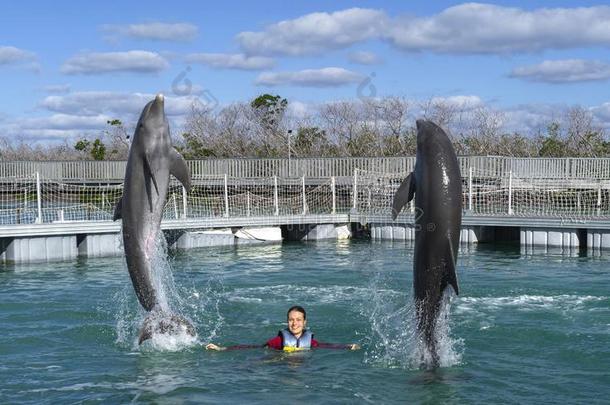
point(151, 160)
point(436, 183)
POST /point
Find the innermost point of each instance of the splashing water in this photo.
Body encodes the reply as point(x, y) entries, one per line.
point(182, 301)
point(394, 341)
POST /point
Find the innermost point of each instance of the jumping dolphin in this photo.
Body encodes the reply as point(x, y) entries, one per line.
point(151, 160)
point(436, 183)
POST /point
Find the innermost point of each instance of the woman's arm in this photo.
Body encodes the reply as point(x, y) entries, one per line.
point(349, 346)
point(212, 346)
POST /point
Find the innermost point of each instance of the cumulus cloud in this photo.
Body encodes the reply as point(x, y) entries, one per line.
point(11, 55)
point(156, 31)
point(86, 114)
point(364, 58)
point(65, 122)
point(231, 61)
point(325, 77)
point(469, 28)
point(91, 103)
point(602, 114)
point(487, 28)
point(461, 102)
point(113, 62)
point(314, 33)
point(564, 71)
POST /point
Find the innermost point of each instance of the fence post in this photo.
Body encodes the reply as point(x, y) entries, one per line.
point(470, 188)
point(304, 197)
point(226, 196)
point(332, 187)
point(248, 203)
point(275, 198)
point(510, 192)
point(38, 199)
point(599, 198)
point(184, 203)
point(175, 205)
point(355, 191)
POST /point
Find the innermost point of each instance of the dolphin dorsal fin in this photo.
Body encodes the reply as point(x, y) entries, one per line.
point(403, 195)
point(179, 169)
point(117, 209)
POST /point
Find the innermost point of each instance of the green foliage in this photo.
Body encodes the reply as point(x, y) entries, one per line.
point(270, 109)
point(309, 141)
point(194, 148)
point(97, 149)
point(552, 145)
point(82, 145)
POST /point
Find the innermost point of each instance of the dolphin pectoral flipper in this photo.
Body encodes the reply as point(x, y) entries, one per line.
point(117, 209)
point(403, 195)
point(178, 168)
point(151, 172)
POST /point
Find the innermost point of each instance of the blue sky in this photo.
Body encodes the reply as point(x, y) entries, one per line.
point(67, 67)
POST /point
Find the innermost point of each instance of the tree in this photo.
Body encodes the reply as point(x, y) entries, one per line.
point(270, 109)
point(552, 145)
point(97, 149)
point(119, 139)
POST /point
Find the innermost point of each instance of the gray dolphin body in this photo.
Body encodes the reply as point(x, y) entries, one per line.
point(151, 160)
point(436, 183)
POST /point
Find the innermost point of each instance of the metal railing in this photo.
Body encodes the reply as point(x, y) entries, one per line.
point(490, 191)
point(495, 166)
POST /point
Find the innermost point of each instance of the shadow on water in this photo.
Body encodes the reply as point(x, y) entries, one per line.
point(439, 376)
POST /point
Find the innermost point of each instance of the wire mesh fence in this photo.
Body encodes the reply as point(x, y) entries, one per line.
point(486, 193)
point(32, 199)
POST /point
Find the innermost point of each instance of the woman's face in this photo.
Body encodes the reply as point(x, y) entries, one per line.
point(296, 323)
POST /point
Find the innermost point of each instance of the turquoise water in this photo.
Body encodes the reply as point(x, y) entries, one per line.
point(526, 328)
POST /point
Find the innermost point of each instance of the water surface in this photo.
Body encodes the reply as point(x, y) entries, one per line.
point(526, 328)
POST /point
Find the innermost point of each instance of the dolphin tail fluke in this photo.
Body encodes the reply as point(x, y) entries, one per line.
point(179, 169)
point(403, 195)
point(163, 323)
point(117, 209)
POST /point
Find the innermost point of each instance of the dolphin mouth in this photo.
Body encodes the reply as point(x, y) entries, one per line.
point(168, 324)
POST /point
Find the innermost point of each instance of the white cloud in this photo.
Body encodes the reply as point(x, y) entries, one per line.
point(469, 28)
point(602, 114)
point(11, 55)
point(91, 103)
point(231, 61)
point(157, 31)
point(65, 122)
point(326, 77)
point(112, 62)
point(461, 102)
point(487, 28)
point(314, 33)
point(564, 71)
point(299, 110)
point(364, 58)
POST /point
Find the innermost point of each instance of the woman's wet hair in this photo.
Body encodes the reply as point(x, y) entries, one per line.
point(297, 308)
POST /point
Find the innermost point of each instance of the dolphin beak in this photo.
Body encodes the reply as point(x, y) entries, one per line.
point(158, 105)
